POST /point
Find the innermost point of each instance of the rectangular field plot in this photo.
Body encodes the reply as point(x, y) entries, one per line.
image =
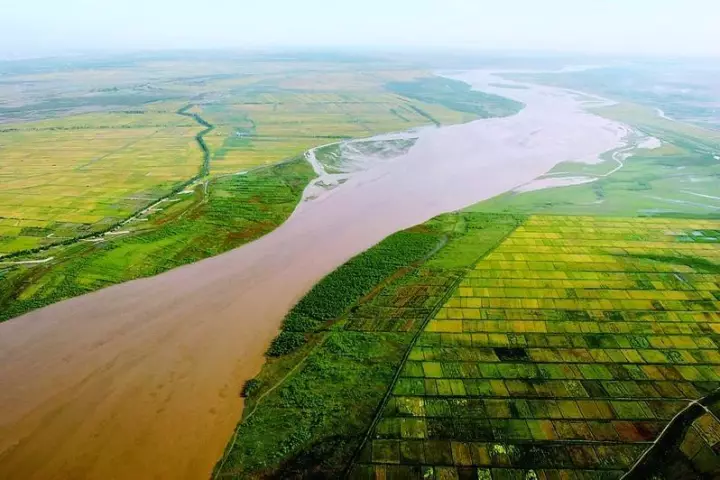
point(562, 354)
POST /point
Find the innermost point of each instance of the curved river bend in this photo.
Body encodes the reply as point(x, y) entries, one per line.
point(141, 380)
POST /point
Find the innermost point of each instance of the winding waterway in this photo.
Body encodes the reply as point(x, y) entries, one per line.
point(141, 380)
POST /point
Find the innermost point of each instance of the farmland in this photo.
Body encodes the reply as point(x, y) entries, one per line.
point(67, 178)
point(565, 349)
point(236, 210)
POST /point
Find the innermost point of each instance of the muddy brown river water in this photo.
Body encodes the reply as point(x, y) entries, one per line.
point(141, 380)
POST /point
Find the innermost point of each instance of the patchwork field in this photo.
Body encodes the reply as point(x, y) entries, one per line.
point(562, 353)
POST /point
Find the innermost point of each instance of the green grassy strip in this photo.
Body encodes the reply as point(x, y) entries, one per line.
point(455, 95)
point(342, 288)
point(199, 138)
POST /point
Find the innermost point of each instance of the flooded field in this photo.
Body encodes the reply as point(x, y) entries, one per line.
point(142, 380)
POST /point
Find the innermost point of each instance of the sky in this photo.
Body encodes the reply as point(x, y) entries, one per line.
point(654, 27)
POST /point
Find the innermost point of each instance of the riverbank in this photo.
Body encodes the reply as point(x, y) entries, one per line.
point(145, 376)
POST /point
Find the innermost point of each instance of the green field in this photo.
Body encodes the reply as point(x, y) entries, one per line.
point(190, 227)
point(677, 179)
point(564, 351)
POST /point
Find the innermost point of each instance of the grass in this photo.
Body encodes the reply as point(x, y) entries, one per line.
point(677, 179)
point(455, 95)
point(236, 210)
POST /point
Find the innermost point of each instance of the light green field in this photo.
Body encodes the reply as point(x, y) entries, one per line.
point(679, 178)
point(565, 351)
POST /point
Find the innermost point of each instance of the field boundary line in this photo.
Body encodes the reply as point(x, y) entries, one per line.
point(699, 402)
point(383, 403)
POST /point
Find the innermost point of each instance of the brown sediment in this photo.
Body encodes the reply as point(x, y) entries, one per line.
point(142, 380)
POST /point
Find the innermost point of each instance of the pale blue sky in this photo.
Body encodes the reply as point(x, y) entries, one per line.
point(595, 26)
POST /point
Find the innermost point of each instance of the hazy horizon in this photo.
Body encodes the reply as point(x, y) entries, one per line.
point(641, 27)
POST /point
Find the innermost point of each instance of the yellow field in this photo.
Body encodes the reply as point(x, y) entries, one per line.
point(82, 173)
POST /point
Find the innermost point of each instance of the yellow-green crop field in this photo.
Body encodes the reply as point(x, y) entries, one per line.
point(64, 178)
point(266, 128)
point(563, 353)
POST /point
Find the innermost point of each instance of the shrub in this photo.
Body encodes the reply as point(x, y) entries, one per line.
point(285, 343)
point(250, 387)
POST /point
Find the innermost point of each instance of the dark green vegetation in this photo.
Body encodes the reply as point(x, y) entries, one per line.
point(687, 448)
point(456, 95)
point(315, 403)
point(332, 296)
point(235, 210)
point(200, 139)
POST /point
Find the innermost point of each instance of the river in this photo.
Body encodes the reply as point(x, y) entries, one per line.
point(142, 380)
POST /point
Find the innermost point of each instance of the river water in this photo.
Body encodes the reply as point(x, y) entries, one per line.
point(142, 380)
